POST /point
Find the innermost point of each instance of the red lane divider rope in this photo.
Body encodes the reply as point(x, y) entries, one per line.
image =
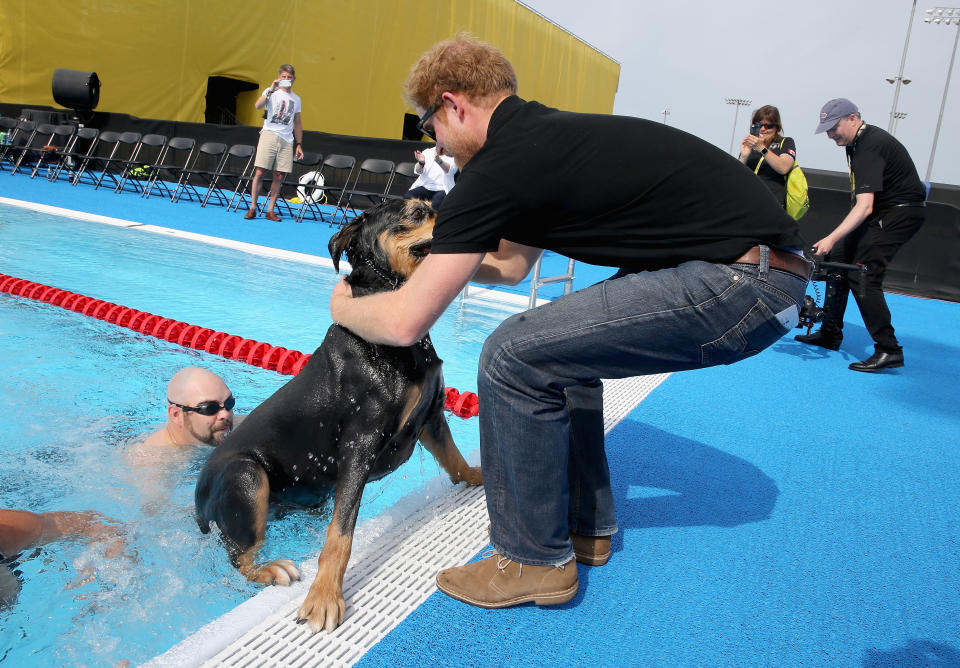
point(256, 353)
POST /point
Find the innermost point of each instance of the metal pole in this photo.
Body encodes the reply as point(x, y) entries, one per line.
point(665, 112)
point(903, 60)
point(739, 102)
point(943, 103)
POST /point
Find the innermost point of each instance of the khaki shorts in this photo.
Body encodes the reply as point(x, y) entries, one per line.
point(273, 153)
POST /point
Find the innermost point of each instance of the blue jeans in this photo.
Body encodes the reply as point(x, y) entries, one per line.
point(541, 426)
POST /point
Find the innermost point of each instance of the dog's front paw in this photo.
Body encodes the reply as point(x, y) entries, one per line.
point(471, 475)
point(323, 608)
point(280, 572)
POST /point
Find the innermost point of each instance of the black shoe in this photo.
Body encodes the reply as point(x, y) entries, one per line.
point(879, 361)
point(827, 340)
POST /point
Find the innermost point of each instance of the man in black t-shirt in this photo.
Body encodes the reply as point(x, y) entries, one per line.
point(708, 274)
point(888, 209)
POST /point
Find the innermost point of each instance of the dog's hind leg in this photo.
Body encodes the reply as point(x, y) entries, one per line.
point(438, 440)
point(242, 502)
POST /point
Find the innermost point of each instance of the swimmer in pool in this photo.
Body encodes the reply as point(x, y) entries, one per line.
point(21, 529)
point(199, 410)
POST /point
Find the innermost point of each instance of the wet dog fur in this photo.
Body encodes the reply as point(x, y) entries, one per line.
point(352, 415)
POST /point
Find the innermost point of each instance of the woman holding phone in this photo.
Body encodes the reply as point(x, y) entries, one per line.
point(767, 152)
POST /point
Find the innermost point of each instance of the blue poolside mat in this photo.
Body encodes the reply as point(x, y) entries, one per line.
point(782, 511)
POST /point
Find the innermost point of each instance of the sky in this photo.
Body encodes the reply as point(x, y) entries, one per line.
point(690, 56)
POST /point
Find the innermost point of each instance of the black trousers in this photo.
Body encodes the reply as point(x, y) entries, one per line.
point(435, 197)
point(874, 243)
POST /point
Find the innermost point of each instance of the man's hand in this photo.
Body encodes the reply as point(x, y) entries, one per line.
point(299, 152)
point(339, 298)
point(824, 246)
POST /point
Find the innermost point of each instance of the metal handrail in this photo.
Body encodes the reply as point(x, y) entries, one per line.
point(536, 282)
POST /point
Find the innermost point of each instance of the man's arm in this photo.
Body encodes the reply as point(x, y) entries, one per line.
point(509, 265)
point(20, 529)
point(861, 209)
point(404, 316)
point(298, 135)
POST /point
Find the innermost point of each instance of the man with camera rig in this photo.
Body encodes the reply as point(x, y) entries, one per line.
point(888, 209)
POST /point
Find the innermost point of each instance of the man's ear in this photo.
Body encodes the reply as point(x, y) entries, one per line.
point(456, 101)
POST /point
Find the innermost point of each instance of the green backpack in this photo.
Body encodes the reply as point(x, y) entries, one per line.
point(798, 199)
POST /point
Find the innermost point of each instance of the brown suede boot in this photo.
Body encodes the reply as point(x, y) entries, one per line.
point(591, 550)
point(499, 582)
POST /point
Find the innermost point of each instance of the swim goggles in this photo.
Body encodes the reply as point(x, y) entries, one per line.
point(208, 408)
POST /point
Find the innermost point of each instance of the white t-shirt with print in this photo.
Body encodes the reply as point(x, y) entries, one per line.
point(282, 106)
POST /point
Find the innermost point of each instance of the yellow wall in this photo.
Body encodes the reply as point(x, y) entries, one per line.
point(153, 57)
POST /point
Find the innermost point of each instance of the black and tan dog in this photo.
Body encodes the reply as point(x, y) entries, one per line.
point(352, 415)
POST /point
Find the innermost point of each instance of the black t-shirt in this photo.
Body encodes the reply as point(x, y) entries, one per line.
point(608, 190)
point(880, 164)
point(774, 180)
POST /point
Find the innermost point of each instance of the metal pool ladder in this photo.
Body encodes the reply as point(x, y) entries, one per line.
point(536, 282)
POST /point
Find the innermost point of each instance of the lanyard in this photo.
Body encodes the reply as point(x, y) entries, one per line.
point(850, 151)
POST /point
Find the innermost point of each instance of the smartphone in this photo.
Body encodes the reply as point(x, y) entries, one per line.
point(755, 129)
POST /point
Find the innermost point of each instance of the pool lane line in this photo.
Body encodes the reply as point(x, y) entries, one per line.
point(230, 346)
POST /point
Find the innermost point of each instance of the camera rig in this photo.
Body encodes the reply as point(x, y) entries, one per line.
point(811, 312)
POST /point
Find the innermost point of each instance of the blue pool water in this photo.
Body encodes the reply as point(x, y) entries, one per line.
point(77, 392)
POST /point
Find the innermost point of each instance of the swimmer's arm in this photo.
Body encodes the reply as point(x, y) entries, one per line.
point(404, 316)
point(20, 529)
point(509, 265)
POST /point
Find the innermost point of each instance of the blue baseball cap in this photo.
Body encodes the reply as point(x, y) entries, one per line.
point(833, 111)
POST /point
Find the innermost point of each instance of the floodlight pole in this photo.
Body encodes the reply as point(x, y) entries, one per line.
point(739, 102)
point(899, 78)
point(946, 15)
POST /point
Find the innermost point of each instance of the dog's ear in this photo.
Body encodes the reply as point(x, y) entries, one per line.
point(340, 241)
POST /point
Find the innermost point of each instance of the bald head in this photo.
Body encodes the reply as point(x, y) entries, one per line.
point(189, 388)
point(191, 385)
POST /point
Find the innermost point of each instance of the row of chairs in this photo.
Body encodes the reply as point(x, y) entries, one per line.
point(329, 188)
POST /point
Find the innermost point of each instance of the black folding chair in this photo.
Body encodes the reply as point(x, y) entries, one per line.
point(377, 175)
point(403, 177)
point(33, 149)
point(137, 171)
point(80, 147)
point(125, 150)
point(337, 172)
point(52, 154)
point(18, 137)
point(307, 165)
point(233, 175)
point(209, 161)
point(166, 172)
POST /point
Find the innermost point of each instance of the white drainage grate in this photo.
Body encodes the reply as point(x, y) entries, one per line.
point(391, 574)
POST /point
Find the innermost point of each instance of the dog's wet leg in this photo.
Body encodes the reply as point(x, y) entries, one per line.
point(324, 607)
point(242, 502)
point(438, 440)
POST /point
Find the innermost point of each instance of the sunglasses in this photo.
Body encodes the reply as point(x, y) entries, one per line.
point(768, 126)
point(423, 129)
point(208, 408)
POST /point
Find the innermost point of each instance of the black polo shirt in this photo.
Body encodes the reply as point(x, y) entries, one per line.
point(880, 164)
point(608, 190)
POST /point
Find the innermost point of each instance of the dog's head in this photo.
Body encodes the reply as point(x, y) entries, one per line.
point(385, 244)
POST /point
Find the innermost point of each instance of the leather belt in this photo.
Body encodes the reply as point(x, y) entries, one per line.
point(897, 206)
point(779, 259)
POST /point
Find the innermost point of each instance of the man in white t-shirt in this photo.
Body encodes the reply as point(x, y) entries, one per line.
point(436, 170)
point(281, 133)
